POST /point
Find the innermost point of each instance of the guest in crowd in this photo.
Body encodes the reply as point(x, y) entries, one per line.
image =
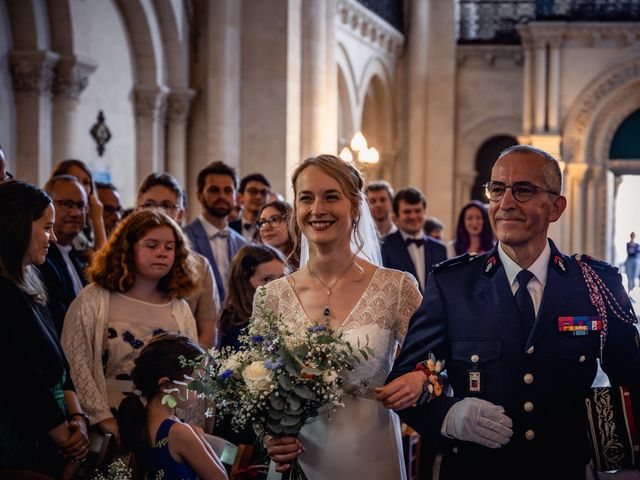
point(161, 444)
point(633, 261)
point(253, 266)
point(253, 194)
point(409, 249)
point(138, 281)
point(162, 190)
point(63, 271)
point(473, 232)
point(111, 205)
point(434, 227)
point(41, 424)
point(380, 199)
point(274, 230)
point(210, 234)
point(93, 236)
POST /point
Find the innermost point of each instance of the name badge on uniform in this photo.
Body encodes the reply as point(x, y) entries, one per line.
point(579, 325)
point(476, 381)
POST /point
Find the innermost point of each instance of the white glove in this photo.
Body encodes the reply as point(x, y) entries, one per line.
point(476, 420)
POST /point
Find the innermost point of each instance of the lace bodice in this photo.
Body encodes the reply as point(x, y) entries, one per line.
point(382, 315)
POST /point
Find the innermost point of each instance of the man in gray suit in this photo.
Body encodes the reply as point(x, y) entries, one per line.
point(210, 234)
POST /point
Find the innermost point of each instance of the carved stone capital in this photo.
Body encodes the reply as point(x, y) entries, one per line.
point(32, 71)
point(179, 105)
point(369, 26)
point(72, 76)
point(150, 103)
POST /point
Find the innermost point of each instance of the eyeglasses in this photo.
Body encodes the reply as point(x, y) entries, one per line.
point(272, 221)
point(70, 204)
point(6, 176)
point(164, 205)
point(111, 209)
point(521, 191)
point(255, 191)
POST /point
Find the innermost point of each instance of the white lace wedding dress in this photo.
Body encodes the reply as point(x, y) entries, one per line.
point(361, 440)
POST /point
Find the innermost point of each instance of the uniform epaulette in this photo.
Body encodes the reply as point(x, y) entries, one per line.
point(593, 262)
point(462, 259)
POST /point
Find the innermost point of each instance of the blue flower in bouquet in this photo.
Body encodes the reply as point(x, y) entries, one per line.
point(274, 365)
point(318, 328)
point(226, 374)
point(257, 339)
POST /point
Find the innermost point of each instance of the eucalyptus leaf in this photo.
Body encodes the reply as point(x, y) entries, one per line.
point(304, 392)
point(275, 427)
point(285, 382)
point(277, 402)
point(289, 421)
point(293, 430)
point(293, 403)
point(276, 414)
point(311, 371)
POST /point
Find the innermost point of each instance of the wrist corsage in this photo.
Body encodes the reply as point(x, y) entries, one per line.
point(436, 377)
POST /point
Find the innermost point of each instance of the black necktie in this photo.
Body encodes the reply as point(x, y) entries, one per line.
point(417, 241)
point(524, 301)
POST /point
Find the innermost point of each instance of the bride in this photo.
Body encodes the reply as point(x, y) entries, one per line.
point(340, 282)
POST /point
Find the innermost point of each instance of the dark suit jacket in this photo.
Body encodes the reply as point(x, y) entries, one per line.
point(236, 225)
point(200, 243)
point(469, 313)
point(59, 284)
point(395, 254)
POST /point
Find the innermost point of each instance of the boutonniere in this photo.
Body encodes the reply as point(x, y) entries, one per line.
point(433, 369)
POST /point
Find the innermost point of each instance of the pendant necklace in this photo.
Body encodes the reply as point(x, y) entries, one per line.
point(327, 311)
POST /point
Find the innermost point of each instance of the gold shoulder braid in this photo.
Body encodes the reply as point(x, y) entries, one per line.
point(601, 298)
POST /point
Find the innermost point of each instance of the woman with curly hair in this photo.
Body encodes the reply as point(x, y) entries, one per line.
point(138, 281)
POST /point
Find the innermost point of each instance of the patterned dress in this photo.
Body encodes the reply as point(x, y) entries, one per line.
point(363, 439)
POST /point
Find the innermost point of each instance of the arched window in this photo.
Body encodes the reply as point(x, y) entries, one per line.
point(625, 144)
point(485, 158)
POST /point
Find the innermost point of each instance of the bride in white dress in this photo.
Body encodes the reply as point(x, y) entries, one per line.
point(370, 304)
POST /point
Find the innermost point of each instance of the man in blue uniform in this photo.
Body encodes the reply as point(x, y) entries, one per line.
point(520, 337)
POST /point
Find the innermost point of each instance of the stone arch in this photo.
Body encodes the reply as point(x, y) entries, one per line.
point(60, 21)
point(29, 25)
point(347, 95)
point(598, 105)
point(145, 40)
point(174, 35)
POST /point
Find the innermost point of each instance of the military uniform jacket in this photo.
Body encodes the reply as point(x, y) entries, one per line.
point(470, 319)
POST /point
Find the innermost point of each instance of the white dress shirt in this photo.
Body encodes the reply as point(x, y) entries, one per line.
point(71, 269)
point(417, 256)
point(219, 241)
point(538, 268)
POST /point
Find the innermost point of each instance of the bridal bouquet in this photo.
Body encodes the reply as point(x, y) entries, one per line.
point(285, 375)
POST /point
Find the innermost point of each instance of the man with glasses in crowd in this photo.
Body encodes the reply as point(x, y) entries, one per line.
point(111, 207)
point(63, 270)
point(510, 326)
point(253, 194)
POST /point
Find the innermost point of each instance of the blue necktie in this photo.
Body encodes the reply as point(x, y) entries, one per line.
point(524, 301)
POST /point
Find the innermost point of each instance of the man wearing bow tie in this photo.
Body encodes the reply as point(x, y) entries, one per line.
point(409, 249)
point(210, 234)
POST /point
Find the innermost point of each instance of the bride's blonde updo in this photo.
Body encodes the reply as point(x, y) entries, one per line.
point(349, 178)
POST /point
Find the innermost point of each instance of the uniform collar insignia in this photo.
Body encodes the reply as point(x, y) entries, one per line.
point(491, 265)
point(559, 264)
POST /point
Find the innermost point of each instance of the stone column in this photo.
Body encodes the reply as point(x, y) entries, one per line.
point(553, 105)
point(527, 98)
point(72, 77)
point(33, 74)
point(150, 106)
point(576, 208)
point(540, 95)
point(178, 107)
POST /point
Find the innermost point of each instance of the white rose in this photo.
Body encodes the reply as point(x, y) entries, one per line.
point(257, 376)
point(330, 376)
point(230, 363)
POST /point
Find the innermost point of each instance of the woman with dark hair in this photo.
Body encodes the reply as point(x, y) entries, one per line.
point(273, 229)
point(94, 235)
point(41, 424)
point(253, 266)
point(139, 279)
point(473, 233)
point(162, 446)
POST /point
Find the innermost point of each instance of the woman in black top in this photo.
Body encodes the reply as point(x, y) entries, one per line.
point(41, 425)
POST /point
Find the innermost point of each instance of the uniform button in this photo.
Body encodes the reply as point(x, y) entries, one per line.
point(528, 407)
point(455, 450)
point(475, 358)
point(528, 378)
point(530, 435)
point(530, 350)
point(582, 358)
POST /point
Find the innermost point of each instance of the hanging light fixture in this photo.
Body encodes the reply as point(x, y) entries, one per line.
point(346, 155)
point(358, 142)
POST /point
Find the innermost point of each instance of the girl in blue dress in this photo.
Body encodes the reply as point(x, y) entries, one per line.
point(162, 446)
